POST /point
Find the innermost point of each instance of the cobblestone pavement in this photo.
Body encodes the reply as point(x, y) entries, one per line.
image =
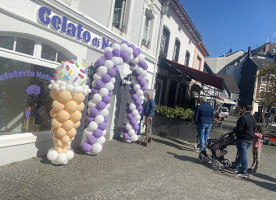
point(167, 169)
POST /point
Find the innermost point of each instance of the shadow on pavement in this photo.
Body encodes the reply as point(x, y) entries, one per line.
point(174, 145)
point(265, 177)
point(181, 142)
point(266, 185)
point(190, 159)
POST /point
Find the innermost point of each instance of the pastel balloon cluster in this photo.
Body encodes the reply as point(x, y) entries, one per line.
point(68, 92)
point(102, 87)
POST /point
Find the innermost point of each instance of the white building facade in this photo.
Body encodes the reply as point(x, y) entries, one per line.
point(35, 36)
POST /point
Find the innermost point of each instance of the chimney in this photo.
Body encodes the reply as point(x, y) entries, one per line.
point(266, 47)
point(249, 52)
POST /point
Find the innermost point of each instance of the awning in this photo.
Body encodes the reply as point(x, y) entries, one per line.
point(227, 101)
point(203, 77)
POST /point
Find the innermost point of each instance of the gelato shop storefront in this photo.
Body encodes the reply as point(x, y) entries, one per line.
point(34, 38)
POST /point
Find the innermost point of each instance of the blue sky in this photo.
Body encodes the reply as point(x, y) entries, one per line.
point(235, 24)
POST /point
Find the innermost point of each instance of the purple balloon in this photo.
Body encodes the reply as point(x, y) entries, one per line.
point(143, 64)
point(144, 88)
point(94, 112)
point(138, 102)
point(102, 126)
point(124, 55)
point(128, 110)
point(126, 136)
point(131, 64)
point(89, 119)
point(106, 78)
point(129, 116)
point(138, 49)
point(99, 84)
point(124, 130)
point(134, 97)
point(134, 73)
point(139, 78)
point(110, 93)
point(125, 42)
point(136, 127)
point(105, 119)
point(86, 147)
point(106, 99)
point(116, 52)
point(133, 122)
point(116, 68)
point(91, 139)
point(94, 90)
point(108, 55)
point(111, 72)
point(135, 53)
point(100, 62)
point(139, 109)
point(98, 133)
point(101, 105)
point(131, 46)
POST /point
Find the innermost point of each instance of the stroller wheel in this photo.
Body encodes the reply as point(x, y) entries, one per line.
point(216, 165)
point(202, 158)
point(227, 163)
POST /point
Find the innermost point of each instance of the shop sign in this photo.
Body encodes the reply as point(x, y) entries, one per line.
point(17, 74)
point(76, 31)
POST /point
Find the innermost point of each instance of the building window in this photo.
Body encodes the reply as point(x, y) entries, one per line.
point(176, 50)
point(25, 46)
point(149, 18)
point(119, 14)
point(25, 100)
point(187, 58)
point(164, 42)
point(198, 63)
point(48, 53)
point(7, 42)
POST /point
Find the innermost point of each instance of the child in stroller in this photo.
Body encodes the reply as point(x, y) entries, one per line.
point(217, 149)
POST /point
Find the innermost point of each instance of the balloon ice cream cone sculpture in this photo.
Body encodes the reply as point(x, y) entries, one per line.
point(68, 92)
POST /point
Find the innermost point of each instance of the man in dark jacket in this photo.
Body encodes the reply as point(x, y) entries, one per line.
point(203, 117)
point(148, 112)
point(244, 131)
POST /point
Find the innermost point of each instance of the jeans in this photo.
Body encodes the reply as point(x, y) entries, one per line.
point(203, 131)
point(241, 159)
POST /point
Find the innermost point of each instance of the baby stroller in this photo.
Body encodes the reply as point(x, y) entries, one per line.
point(215, 151)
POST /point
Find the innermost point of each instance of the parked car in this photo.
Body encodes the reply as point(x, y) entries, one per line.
point(224, 111)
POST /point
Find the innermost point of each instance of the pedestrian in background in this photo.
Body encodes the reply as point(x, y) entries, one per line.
point(244, 131)
point(203, 118)
point(256, 150)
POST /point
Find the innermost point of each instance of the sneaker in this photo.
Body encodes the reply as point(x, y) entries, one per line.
point(197, 150)
point(242, 175)
point(235, 170)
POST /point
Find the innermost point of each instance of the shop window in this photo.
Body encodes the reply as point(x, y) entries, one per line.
point(48, 53)
point(25, 101)
point(25, 46)
point(7, 42)
point(119, 14)
point(187, 58)
point(164, 42)
point(176, 50)
point(158, 91)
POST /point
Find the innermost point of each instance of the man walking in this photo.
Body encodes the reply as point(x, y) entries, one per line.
point(203, 117)
point(244, 131)
point(149, 113)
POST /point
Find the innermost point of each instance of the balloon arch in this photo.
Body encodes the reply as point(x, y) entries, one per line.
point(102, 87)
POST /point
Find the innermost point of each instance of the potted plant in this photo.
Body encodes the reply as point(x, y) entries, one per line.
point(144, 42)
point(148, 44)
point(123, 29)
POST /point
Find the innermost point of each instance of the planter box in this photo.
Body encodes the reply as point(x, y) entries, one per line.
point(175, 128)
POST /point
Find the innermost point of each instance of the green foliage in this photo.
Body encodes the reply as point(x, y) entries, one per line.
point(175, 113)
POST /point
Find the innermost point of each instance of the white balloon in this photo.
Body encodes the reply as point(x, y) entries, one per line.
point(134, 138)
point(135, 112)
point(126, 120)
point(135, 60)
point(50, 86)
point(104, 112)
point(115, 60)
point(88, 110)
point(137, 87)
point(104, 92)
point(131, 132)
point(113, 80)
point(94, 83)
point(55, 86)
point(69, 87)
point(93, 126)
point(52, 81)
point(124, 47)
point(131, 57)
point(62, 158)
point(101, 140)
point(104, 132)
point(58, 82)
point(144, 73)
point(52, 154)
point(96, 148)
point(109, 86)
point(99, 119)
point(133, 67)
point(63, 83)
point(70, 154)
point(139, 70)
point(132, 106)
point(141, 57)
point(96, 77)
point(97, 98)
point(108, 64)
point(91, 104)
point(142, 98)
point(108, 49)
point(128, 126)
point(129, 51)
point(102, 70)
point(116, 46)
point(137, 117)
point(139, 92)
point(120, 60)
point(107, 106)
point(87, 132)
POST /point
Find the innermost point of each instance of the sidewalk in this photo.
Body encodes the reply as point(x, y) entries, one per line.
point(167, 169)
